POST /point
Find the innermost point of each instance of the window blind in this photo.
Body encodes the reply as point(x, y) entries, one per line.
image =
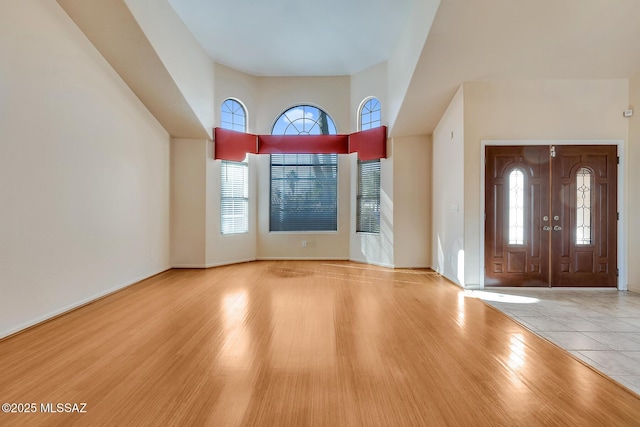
point(234, 200)
point(304, 192)
point(368, 197)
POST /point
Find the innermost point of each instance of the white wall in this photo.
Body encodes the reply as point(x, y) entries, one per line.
point(633, 177)
point(448, 192)
point(84, 171)
point(412, 201)
point(532, 110)
point(188, 202)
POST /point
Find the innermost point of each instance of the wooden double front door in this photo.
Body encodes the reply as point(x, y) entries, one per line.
point(551, 216)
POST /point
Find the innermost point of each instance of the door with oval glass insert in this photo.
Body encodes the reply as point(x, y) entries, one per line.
point(551, 216)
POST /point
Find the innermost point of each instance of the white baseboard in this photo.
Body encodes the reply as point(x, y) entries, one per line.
point(455, 282)
point(214, 264)
point(302, 259)
point(411, 266)
point(378, 264)
point(239, 261)
point(76, 305)
point(189, 266)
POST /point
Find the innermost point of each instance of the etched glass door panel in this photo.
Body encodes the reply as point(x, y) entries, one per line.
point(583, 207)
point(516, 207)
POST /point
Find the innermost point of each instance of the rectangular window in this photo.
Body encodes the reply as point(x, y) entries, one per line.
point(368, 197)
point(234, 199)
point(304, 192)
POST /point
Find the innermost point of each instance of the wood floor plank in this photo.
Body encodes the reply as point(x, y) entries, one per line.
point(300, 343)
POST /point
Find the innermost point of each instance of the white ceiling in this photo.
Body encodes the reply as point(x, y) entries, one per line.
point(469, 41)
point(295, 37)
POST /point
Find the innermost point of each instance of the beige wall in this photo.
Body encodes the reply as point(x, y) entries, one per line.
point(230, 83)
point(84, 171)
point(266, 98)
point(633, 177)
point(188, 202)
point(366, 247)
point(185, 59)
point(448, 192)
point(275, 95)
point(404, 58)
point(370, 82)
point(412, 201)
point(230, 248)
point(226, 249)
point(161, 63)
point(531, 110)
point(288, 245)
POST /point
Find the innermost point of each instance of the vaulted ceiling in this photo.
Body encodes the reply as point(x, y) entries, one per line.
point(506, 39)
point(296, 38)
point(468, 41)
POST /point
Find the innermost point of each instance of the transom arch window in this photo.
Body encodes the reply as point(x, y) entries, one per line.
point(304, 120)
point(369, 113)
point(304, 187)
point(368, 182)
point(234, 176)
point(233, 115)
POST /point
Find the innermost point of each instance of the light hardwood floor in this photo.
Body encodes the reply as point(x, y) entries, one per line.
point(295, 343)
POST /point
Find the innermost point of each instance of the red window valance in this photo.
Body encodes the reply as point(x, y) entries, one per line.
point(369, 144)
point(232, 145)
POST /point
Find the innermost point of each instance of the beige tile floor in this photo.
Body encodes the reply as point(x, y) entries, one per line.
point(598, 326)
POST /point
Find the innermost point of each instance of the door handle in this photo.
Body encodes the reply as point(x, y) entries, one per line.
point(557, 228)
point(546, 228)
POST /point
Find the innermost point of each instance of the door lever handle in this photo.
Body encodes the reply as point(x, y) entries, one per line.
point(546, 228)
point(557, 228)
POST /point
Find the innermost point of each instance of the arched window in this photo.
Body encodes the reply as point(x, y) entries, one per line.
point(234, 176)
point(368, 183)
point(583, 206)
point(370, 114)
point(516, 207)
point(233, 116)
point(304, 187)
point(304, 120)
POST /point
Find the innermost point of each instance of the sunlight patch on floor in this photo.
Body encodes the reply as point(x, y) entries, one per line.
point(497, 297)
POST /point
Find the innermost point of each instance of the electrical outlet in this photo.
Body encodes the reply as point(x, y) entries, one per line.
point(304, 243)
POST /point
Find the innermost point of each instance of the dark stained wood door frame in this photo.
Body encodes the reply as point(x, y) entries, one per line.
point(622, 253)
